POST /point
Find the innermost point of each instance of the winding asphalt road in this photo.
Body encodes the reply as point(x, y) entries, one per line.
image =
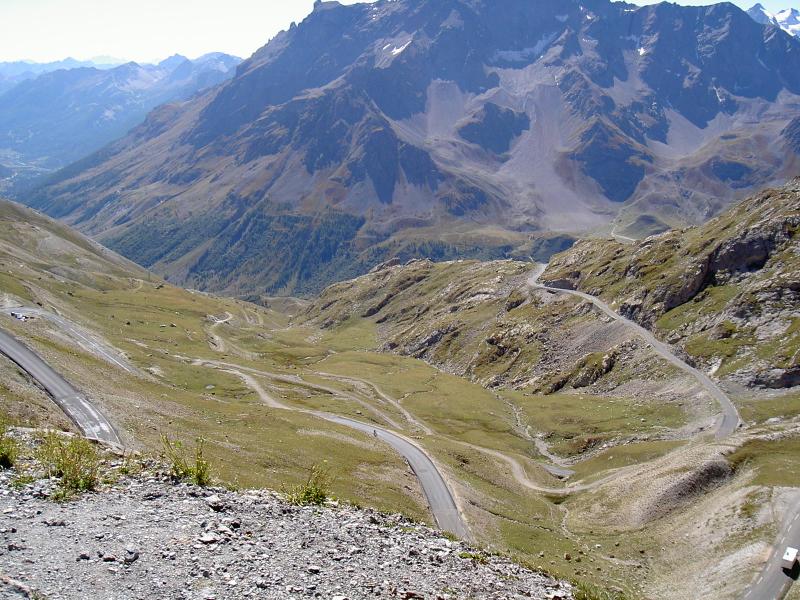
point(95, 426)
point(728, 422)
point(86, 340)
point(439, 498)
point(77, 407)
point(773, 582)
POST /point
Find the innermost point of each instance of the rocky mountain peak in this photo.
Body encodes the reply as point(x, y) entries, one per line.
point(787, 19)
point(173, 61)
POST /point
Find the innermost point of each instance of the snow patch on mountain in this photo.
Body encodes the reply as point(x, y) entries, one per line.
point(400, 49)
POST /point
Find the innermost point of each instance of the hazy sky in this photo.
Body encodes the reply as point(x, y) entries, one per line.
point(146, 30)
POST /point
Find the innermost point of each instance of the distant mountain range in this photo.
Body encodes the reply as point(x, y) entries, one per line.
point(12, 73)
point(787, 19)
point(63, 111)
point(445, 128)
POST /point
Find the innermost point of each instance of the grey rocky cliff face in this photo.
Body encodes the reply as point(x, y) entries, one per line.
point(494, 127)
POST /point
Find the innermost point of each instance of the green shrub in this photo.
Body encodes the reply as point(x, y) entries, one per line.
point(20, 481)
point(130, 465)
point(201, 471)
point(316, 489)
point(74, 461)
point(172, 452)
point(197, 471)
point(477, 557)
point(9, 449)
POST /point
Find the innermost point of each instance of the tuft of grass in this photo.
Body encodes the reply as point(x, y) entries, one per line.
point(20, 481)
point(232, 486)
point(197, 470)
point(74, 461)
point(130, 466)
point(9, 449)
point(449, 535)
point(314, 491)
point(477, 557)
point(201, 471)
point(751, 505)
point(583, 590)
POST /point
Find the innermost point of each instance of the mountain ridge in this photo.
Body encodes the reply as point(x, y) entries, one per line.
point(391, 129)
point(724, 293)
point(14, 72)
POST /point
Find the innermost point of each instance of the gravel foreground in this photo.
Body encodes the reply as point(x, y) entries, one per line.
point(145, 537)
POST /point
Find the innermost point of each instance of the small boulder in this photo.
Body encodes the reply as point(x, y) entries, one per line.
point(131, 555)
point(215, 503)
point(209, 538)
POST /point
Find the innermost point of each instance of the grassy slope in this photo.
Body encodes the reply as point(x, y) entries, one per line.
point(473, 319)
point(156, 325)
point(163, 330)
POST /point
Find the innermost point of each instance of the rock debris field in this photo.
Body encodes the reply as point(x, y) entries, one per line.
point(146, 537)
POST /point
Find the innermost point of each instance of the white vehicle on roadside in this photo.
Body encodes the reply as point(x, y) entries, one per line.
point(19, 316)
point(789, 558)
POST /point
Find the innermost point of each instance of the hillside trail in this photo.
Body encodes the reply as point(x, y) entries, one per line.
point(251, 382)
point(557, 465)
point(223, 346)
point(622, 238)
point(383, 395)
point(559, 469)
point(517, 470)
point(219, 344)
point(521, 477)
point(245, 374)
point(216, 341)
